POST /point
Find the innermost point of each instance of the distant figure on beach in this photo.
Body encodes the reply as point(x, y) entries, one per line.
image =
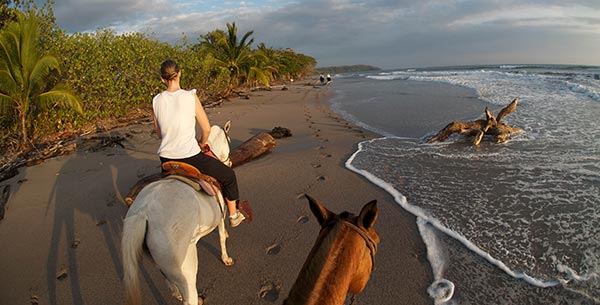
point(328, 78)
point(322, 79)
point(176, 112)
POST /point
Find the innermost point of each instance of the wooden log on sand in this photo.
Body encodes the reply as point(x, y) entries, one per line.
point(491, 126)
point(252, 148)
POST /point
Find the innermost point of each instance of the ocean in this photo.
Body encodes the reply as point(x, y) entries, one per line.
point(510, 223)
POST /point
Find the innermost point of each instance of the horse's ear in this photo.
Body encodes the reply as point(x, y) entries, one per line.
point(321, 213)
point(368, 215)
point(227, 126)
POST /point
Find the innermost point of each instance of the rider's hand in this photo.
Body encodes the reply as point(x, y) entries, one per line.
point(204, 147)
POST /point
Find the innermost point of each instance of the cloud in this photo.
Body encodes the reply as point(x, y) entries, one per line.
point(387, 33)
point(89, 15)
point(574, 17)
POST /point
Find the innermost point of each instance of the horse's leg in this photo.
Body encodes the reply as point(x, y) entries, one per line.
point(178, 261)
point(189, 269)
point(173, 289)
point(227, 260)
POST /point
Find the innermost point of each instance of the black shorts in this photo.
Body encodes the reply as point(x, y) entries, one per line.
point(216, 169)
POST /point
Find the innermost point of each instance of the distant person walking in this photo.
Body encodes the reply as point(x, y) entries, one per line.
point(328, 78)
point(322, 78)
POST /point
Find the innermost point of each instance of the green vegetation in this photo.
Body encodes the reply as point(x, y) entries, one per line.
point(114, 76)
point(346, 69)
point(28, 77)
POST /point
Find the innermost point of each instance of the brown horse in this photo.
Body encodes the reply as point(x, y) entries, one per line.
point(342, 258)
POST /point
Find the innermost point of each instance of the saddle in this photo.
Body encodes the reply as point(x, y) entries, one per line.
point(192, 176)
point(180, 171)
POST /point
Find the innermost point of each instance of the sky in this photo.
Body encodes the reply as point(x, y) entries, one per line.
point(384, 33)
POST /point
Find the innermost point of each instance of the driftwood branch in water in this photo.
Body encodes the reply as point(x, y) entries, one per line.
point(491, 126)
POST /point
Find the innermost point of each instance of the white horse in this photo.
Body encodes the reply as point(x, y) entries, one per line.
point(171, 217)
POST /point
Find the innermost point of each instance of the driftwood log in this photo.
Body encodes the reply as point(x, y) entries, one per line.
point(491, 126)
point(252, 148)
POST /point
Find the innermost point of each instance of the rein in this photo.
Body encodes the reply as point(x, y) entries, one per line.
point(212, 153)
point(370, 243)
point(220, 199)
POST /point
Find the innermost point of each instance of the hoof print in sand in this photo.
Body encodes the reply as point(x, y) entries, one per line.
point(302, 219)
point(34, 299)
point(269, 292)
point(273, 249)
point(62, 273)
point(321, 178)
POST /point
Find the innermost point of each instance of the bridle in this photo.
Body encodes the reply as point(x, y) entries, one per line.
point(369, 241)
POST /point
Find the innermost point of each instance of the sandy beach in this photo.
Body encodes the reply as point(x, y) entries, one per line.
point(60, 238)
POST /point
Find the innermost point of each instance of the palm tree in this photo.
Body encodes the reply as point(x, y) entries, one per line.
point(26, 74)
point(232, 54)
point(266, 66)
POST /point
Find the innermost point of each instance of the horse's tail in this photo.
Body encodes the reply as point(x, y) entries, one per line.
point(134, 232)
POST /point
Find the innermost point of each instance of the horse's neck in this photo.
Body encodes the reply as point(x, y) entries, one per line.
point(327, 272)
point(218, 141)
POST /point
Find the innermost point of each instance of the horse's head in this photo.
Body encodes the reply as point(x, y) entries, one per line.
point(219, 142)
point(361, 228)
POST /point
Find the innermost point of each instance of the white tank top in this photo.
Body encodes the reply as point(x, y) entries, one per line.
point(176, 116)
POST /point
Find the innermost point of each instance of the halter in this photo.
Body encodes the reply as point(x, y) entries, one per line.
point(370, 243)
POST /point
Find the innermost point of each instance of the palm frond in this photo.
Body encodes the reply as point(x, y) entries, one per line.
point(6, 103)
point(62, 97)
point(7, 83)
point(9, 52)
point(40, 72)
point(259, 75)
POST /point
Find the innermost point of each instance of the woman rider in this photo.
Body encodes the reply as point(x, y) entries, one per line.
point(176, 112)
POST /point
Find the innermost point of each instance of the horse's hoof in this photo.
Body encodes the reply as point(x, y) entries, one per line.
point(228, 261)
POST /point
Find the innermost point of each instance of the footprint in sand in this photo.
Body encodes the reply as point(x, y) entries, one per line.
point(302, 219)
point(274, 249)
point(321, 178)
point(269, 291)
